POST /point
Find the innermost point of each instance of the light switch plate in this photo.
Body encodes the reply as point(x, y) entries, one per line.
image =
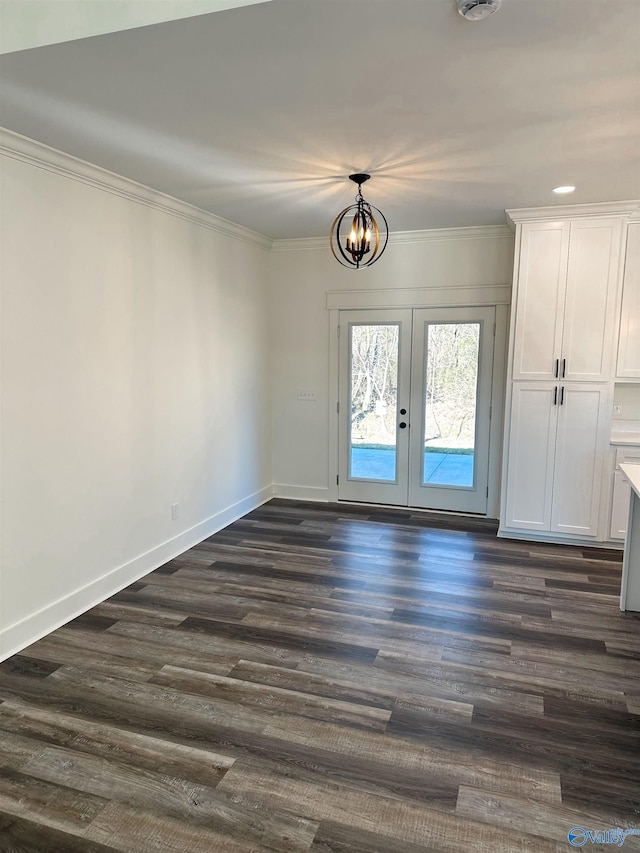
point(308, 395)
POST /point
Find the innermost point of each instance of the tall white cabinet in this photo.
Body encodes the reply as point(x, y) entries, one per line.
point(561, 366)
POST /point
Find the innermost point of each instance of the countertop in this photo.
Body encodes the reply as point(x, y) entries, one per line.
point(632, 474)
point(626, 432)
point(630, 438)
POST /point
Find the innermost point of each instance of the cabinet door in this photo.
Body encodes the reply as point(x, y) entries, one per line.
point(629, 341)
point(580, 446)
point(622, 491)
point(619, 506)
point(542, 273)
point(531, 455)
point(592, 278)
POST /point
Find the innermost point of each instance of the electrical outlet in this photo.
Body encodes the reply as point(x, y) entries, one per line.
point(308, 395)
point(174, 512)
point(617, 408)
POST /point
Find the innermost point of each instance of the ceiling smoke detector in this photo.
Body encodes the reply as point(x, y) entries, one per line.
point(476, 10)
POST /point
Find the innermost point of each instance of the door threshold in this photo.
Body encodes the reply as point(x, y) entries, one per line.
point(420, 509)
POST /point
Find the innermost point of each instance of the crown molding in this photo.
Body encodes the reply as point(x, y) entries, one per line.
point(470, 232)
point(299, 244)
point(37, 154)
point(475, 232)
point(26, 150)
point(420, 297)
point(630, 208)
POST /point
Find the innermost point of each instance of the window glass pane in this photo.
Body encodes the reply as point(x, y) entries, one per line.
point(451, 372)
point(374, 398)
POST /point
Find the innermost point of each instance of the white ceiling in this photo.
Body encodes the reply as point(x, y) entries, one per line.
point(259, 113)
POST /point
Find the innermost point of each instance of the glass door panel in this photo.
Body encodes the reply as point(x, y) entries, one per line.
point(374, 401)
point(375, 363)
point(450, 395)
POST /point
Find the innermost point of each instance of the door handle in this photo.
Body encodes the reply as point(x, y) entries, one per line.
point(555, 396)
point(562, 396)
point(564, 367)
point(557, 366)
point(402, 425)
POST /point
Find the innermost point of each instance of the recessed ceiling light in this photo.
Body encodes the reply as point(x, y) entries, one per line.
point(563, 190)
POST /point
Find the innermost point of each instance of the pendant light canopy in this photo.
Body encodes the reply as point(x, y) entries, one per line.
point(357, 240)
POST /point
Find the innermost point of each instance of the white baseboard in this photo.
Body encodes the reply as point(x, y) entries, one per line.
point(301, 493)
point(558, 539)
point(15, 638)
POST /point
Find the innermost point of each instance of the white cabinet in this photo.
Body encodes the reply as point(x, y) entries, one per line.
point(531, 443)
point(566, 299)
point(619, 507)
point(629, 338)
point(621, 492)
point(554, 463)
point(564, 331)
point(630, 581)
point(541, 280)
point(581, 444)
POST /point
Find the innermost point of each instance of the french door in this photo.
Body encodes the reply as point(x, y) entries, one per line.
point(415, 407)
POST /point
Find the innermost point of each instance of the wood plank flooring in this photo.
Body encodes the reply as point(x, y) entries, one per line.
point(332, 678)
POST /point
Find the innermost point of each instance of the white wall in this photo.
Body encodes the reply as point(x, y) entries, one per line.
point(627, 397)
point(34, 23)
point(135, 374)
point(300, 280)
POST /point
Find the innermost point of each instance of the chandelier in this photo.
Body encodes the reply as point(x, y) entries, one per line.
point(356, 238)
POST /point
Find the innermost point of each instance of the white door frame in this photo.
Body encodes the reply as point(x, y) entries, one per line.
point(498, 295)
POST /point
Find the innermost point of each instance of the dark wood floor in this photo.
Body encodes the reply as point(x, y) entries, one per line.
point(332, 678)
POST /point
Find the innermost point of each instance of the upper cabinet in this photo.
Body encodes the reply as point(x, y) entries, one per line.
point(595, 248)
point(566, 299)
point(541, 283)
point(628, 366)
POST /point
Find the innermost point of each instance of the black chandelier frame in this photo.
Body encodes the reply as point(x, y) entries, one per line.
point(349, 252)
